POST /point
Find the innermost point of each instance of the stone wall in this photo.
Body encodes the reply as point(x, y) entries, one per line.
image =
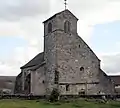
point(50, 43)
point(38, 82)
point(35, 84)
point(106, 84)
point(79, 89)
point(27, 84)
point(66, 16)
point(50, 59)
point(68, 54)
point(25, 73)
point(72, 55)
point(18, 84)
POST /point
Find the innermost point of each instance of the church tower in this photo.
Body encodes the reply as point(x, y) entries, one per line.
point(55, 28)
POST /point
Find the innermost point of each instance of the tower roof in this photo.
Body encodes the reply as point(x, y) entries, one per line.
point(66, 10)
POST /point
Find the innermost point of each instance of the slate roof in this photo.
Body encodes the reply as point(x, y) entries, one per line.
point(116, 79)
point(37, 66)
point(108, 77)
point(38, 59)
point(60, 13)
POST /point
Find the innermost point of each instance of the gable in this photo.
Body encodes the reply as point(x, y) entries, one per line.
point(91, 51)
point(74, 46)
point(38, 59)
point(59, 14)
point(72, 54)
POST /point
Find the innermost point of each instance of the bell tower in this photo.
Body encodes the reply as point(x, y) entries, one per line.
point(56, 27)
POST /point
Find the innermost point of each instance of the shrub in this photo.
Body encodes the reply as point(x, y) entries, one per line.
point(54, 95)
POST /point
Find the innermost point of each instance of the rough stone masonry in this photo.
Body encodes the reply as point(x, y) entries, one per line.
point(67, 63)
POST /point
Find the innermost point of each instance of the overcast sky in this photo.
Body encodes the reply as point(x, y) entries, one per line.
point(21, 30)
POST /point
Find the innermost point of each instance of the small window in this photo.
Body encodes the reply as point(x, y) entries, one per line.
point(49, 27)
point(67, 87)
point(56, 77)
point(82, 69)
point(43, 81)
point(79, 46)
point(67, 26)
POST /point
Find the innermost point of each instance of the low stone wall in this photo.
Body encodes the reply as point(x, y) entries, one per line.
point(21, 97)
point(89, 96)
point(32, 97)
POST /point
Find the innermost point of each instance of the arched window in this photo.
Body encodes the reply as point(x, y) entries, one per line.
point(82, 69)
point(67, 26)
point(49, 27)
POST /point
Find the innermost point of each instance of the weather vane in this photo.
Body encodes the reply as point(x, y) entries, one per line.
point(65, 4)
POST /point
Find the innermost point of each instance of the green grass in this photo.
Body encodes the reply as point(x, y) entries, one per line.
point(69, 104)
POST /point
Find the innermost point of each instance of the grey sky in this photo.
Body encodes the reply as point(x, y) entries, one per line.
point(16, 9)
point(24, 18)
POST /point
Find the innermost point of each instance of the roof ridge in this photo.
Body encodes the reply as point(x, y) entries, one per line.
point(60, 13)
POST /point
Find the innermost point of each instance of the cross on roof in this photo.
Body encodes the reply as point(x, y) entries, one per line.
point(65, 4)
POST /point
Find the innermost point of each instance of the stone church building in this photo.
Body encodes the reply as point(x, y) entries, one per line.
point(67, 63)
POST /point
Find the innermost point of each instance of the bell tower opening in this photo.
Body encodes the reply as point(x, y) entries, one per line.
point(67, 26)
point(50, 27)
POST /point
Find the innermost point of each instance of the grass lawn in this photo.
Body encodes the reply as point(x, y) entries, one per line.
point(43, 104)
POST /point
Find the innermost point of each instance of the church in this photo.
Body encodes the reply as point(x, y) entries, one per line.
point(67, 63)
